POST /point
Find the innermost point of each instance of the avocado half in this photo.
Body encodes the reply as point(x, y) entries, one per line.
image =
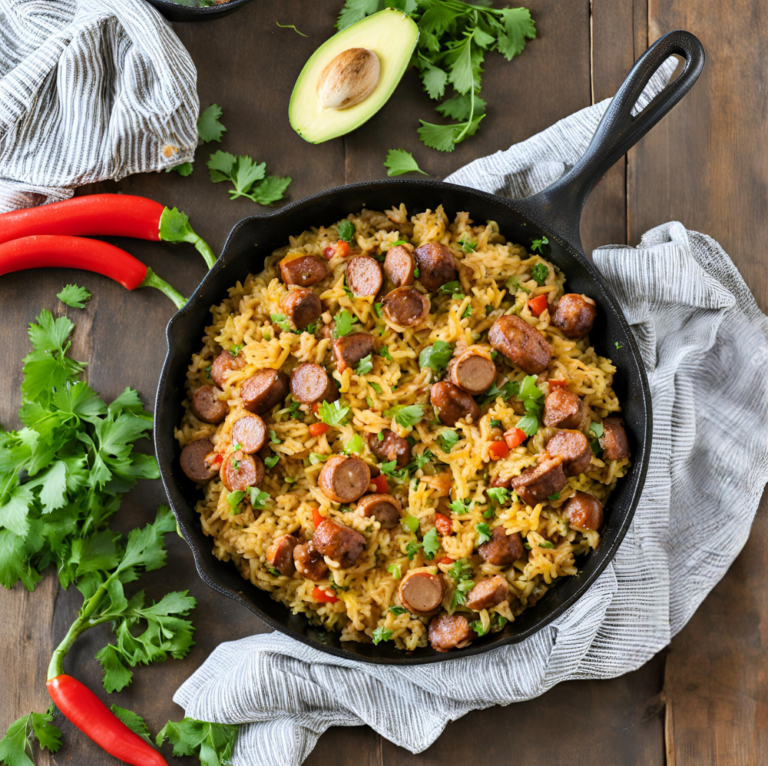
point(392, 36)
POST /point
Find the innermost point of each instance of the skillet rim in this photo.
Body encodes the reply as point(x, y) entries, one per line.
point(530, 210)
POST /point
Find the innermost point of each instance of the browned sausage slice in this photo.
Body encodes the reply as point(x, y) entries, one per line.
point(502, 549)
point(421, 593)
point(339, 543)
point(399, 266)
point(194, 463)
point(350, 349)
point(574, 448)
point(305, 271)
point(384, 508)
point(250, 433)
point(302, 307)
point(310, 383)
point(207, 406)
point(309, 562)
point(522, 344)
point(344, 479)
point(264, 390)
point(405, 306)
point(450, 631)
point(574, 315)
point(364, 276)
point(537, 483)
point(583, 511)
point(563, 409)
point(436, 265)
point(487, 593)
point(497, 481)
point(473, 370)
point(240, 471)
point(390, 447)
point(280, 554)
point(224, 365)
point(453, 404)
point(614, 439)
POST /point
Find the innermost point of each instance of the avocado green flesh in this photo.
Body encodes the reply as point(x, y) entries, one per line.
point(392, 36)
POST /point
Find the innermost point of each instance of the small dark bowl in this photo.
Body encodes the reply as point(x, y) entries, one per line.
point(177, 12)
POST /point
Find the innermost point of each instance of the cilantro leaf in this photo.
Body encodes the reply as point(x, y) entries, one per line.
point(399, 161)
point(434, 80)
point(74, 296)
point(213, 744)
point(519, 27)
point(394, 570)
point(477, 626)
point(483, 532)
point(397, 610)
point(431, 543)
point(540, 272)
point(133, 721)
point(281, 322)
point(355, 444)
point(436, 356)
point(596, 429)
point(528, 424)
point(406, 416)
point(332, 413)
point(381, 634)
point(247, 176)
point(270, 189)
point(365, 365)
point(507, 390)
point(448, 439)
point(346, 230)
point(538, 245)
point(460, 107)
point(16, 745)
point(184, 170)
point(345, 322)
point(208, 126)
point(258, 498)
point(498, 495)
point(460, 507)
point(445, 137)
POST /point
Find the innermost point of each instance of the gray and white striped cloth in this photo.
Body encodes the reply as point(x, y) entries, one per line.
point(90, 90)
point(705, 345)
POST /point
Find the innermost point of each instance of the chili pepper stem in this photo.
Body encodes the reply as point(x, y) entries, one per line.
point(152, 280)
point(204, 249)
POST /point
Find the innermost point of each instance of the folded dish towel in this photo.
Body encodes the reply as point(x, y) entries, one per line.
point(90, 90)
point(705, 345)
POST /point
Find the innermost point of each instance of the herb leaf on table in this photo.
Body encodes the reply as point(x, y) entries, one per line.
point(399, 161)
point(74, 296)
point(209, 128)
point(247, 176)
point(212, 743)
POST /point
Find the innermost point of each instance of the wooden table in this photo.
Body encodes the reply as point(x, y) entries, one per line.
point(701, 701)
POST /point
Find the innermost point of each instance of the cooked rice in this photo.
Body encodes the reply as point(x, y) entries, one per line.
point(367, 590)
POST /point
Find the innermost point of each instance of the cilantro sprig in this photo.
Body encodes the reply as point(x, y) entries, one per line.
point(248, 178)
point(399, 161)
point(74, 296)
point(436, 356)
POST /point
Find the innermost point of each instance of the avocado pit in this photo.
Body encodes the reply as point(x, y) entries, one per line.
point(348, 79)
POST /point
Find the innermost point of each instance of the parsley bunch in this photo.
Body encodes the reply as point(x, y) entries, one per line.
point(454, 37)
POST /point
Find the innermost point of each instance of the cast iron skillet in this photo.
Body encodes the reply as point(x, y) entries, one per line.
point(177, 12)
point(555, 213)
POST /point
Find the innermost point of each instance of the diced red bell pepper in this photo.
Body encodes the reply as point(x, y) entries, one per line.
point(380, 482)
point(317, 517)
point(537, 304)
point(515, 437)
point(444, 525)
point(341, 248)
point(447, 560)
point(324, 597)
point(562, 383)
point(498, 450)
point(318, 429)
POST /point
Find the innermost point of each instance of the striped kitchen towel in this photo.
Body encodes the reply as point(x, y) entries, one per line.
point(704, 342)
point(90, 90)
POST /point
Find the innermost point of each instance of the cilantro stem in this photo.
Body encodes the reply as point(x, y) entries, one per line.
point(152, 280)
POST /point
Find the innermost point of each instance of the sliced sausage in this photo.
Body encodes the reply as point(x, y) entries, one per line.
point(264, 390)
point(436, 265)
point(583, 511)
point(390, 447)
point(497, 481)
point(405, 306)
point(310, 383)
point(473, 370)
point(250, 433)
point(194, 463)
point(280, 554)
point(399, 266)
point(350, 349)
point(240, 471)
point(339, 543)
point(309, 562)
point(207, 406)
point(574, 448)
point(344, 479)
point(522, 344)
point(364, 276)
point(384, 508)
point(421, 593)
point(453, 404)
point(487, 593)
point(450, 631)
point(502, 549)
point(614, 439)
point(224, 365)
point(574, 315)
point(537, 483)
point(563, 409)
point(305, 271)
point(302, 307)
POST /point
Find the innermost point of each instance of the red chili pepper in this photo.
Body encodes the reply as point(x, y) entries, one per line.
point(447, 560)
point(88, 254)
point(104, 215)
point(444, 525)
point(515, 437)
point(498, 450)
point(89, 714)
point(323, 596)
point(318, 429)
point(380, 482)
point(562, 383)
point(537, 304)
point(317, 517)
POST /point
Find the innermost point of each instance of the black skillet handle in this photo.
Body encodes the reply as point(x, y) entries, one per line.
point(619, 130)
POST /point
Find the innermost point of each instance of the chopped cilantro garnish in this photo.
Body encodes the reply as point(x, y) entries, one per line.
point(461, 573)
point(234, 499)
point(236, 349)
point(508, 390)
point(460, 507)
point(258, 497)
point(498, 495)
point(495, 424)
point(513, 285)
point(468, 246)
point(381, 634)
point(477, 626)
point(556, 496)
point(394, 570)
point(282, 322)
point(431, 543)
point(547, 544)
point(412, 549)
point(316, 457)
point(375, 386)
point(346, 230)
point(365, 365)
point(271, 461)
point(538, 244)
point(540, 272)
point(345, 322)
point(489, 514)
point(332, 413)
point(436, 356)
point(397, 610)
point(529, 424)
point(273, 437)
point(355, 444)
point(618, 345)
point(467, 311)
point(384, 352)
point(483, 532)
point(406, 416)
point(596, 429)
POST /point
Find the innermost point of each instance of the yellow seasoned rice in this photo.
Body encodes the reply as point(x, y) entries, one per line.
point(368, 589)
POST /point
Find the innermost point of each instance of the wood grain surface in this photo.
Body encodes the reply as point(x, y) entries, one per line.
point(700, 702)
